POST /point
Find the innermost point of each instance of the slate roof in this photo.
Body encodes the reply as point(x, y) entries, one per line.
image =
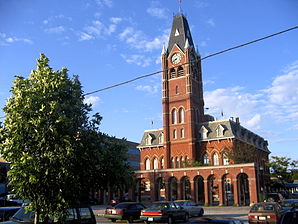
point(154, 135)
point(180, 24)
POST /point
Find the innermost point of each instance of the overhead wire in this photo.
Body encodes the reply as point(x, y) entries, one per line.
point(208, 56)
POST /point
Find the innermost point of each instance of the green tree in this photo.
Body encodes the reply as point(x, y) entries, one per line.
point(43, 118)
point(283, 168)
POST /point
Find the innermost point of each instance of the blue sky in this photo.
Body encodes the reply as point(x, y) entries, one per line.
point(109, 41)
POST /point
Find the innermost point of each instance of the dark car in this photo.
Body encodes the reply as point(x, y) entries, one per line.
point(274, 197)
point(7, 212)
point(192, 208)
point(218, 220)
point(290, 217)
point(169, 212)
point(124, 211)
point(77, 215)
point(288, 204)
point(265, 212)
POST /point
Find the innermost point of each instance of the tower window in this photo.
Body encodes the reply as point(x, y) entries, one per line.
point(206, 159)
point(177, 89)
point(181, 115)
point(182, 134)
point(174, 134)
point(180, 71)
point(174, 116)
point(172, 73)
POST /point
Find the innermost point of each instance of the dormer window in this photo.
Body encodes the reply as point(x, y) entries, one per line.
point(220, 131)
point(204, 132)
point(160, 138)
point(148, 139)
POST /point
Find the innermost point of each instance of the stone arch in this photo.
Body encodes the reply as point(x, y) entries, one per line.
point(213, 193)
point(243, 189)
point(143, 190)
point(162, 162)
point(199, 190)
point(185, 188)
point(147, 163)
point(227, 190)
point(181, 115)
point(160, 189)
point(173, 189)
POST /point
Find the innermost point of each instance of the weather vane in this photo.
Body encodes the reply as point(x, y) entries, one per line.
point(180, 6)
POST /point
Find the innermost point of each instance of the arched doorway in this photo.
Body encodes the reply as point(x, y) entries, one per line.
point(228, 194)
point(160, 189)
point(213, 190)
point(173, 189)
point(199, 190)
point(185, 188)
point(243, 189)
point(144, 190)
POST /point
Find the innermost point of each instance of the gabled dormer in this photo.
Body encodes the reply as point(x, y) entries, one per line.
point(220, 131)
point(203, 132)
point(148, 139)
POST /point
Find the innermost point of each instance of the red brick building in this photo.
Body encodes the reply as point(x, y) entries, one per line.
point(193, 156)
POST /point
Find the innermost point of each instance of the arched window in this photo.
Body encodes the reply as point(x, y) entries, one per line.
point(177, 162)
point(181, 115)
point(160, 138)
point(174, 116)
point(180, 71)
point(162, 163)
point(186, 161)
point(225, 159)
point(155, 163)
point(147, 164)
point(172, 73)
point(206, 159)
point(182, 134)
point(181, 162)
point(174, 133)
point(172, 162)
point(215, 159)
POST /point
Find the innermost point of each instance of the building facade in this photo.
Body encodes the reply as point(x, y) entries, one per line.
point(193, 156)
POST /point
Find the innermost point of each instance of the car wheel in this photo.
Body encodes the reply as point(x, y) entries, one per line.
point(201, 213)
point(186, 217)
point(170, 220)
point(113, 220)
point(146, 222)
point(130, 219)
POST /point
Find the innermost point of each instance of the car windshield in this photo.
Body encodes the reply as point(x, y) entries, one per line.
point(23, 215)
point(180, 203)
point(159, 205)
point(263, 207)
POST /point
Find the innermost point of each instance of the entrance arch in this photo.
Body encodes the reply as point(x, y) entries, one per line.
point(173, 186)
point(228, 193)
point(160, 189)
point(199, 190)
point(213, 190)
point(243, 189)
point(185, 188)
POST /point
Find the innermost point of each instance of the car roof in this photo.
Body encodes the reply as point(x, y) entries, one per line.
point(212, 219)
point(9, 208)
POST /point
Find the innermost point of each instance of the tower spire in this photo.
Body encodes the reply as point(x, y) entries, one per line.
point(180, 6)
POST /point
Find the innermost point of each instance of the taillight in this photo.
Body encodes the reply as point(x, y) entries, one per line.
point(152, 213)
point(272, 217)
point(250, 217)
point(119, 211)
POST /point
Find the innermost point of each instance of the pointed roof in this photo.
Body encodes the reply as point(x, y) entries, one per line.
point(180, 33)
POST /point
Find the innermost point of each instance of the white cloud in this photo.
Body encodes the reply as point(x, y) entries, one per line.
point(157, 12)
point(211, 22)
point(55, 30)
point(254, 122)
point(6, 40)
point(92, 100)
point(151, 89)
point(84, 36)
point(139, 60)
point(115, 20)
point(104, 3)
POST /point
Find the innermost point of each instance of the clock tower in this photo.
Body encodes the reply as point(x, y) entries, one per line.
point(182, 94)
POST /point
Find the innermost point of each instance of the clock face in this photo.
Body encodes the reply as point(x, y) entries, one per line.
point(176, 58)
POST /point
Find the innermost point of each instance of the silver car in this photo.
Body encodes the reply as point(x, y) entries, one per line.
point(192, 208)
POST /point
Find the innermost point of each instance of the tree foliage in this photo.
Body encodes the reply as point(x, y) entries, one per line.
point(57, 155)
point(283, 168)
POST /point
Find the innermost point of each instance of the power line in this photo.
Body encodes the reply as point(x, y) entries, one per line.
point(208, 56)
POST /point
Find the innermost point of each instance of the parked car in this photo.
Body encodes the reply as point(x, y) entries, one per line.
point(164, 211)
point(265, 212)
point(124, 211)
point(7, 212)
point(294, 195)
point(217, 220)
point(288, 204)
point(274, 197)
point(77, 215)
point(191, 207)
point(290, 217)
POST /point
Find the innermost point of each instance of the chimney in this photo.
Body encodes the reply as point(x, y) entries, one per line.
point(237, 120)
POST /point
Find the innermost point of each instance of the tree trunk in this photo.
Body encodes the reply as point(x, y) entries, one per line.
point(36, 217)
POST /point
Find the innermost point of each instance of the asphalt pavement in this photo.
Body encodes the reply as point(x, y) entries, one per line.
point(224, 211)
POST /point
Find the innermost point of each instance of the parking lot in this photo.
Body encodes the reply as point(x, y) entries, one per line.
point(235, 212)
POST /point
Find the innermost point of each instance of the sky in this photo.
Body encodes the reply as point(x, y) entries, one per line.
point(106, 42)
